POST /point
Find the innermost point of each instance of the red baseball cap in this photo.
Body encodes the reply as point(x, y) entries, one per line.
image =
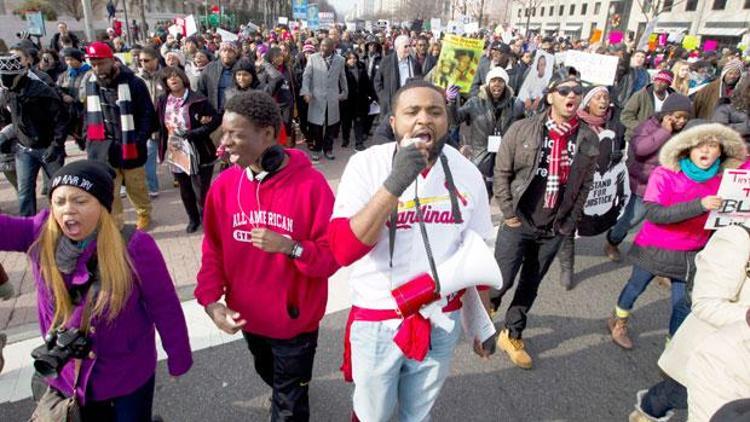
point(99, 50)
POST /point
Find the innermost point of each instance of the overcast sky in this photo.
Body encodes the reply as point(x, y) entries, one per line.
point(342, 6)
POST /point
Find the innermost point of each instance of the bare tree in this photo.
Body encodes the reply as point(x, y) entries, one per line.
point(651, 9)
point(74, 8)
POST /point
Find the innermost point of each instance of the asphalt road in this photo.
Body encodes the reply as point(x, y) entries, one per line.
point(579, 374)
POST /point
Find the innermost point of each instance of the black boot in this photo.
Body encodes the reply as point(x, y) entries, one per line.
point(566, 256)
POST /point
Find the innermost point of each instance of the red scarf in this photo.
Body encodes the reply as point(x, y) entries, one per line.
point(559, 159)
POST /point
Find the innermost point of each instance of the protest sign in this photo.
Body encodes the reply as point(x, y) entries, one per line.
point(458, 62)
point(176, 29)
point(560, 58)
point(652, 40)
point(596, 69)
point(710, 45)
point(125, 58)
point(35, 24)
point(596, 36)
point(326, 19)
point(609, 193)
point(313, 20)
point(662, 40)
point(435, 26)
point(455, 27)
point(471, 27)
point(691, 42)
point(226, 35)
point(283, 20)
point(299, 9)
point(734, 192)
point(615, 37)
point(538, 77)
point(191, 27)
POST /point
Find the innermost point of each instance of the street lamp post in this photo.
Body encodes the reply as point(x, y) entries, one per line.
point(87, 19)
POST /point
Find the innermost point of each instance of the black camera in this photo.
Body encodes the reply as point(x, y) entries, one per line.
point(59, 347)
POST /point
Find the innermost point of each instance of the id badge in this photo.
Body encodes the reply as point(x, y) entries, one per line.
point(493, 143)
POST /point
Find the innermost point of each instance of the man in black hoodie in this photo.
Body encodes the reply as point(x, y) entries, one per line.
point(40, 123)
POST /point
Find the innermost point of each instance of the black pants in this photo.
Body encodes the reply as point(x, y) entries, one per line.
point(349, 119)
point(323, 136)
point(286, 366)
point(134, 407)
point(193, 191)
point(522, 248)
point(304, 126)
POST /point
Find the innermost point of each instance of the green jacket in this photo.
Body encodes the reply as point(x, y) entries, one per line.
point(638, 109)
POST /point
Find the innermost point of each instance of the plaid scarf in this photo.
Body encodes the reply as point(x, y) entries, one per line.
point(559, 159)
point(95, 129)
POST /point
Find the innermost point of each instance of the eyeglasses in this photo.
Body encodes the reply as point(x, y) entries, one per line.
point(144, 60)
point(565, 90)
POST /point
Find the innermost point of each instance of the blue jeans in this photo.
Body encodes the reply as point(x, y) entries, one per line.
point(635, 213)
point(383, 376)
point(28, 163)
point(152, 180)
point(638, 282)
point(134, 407)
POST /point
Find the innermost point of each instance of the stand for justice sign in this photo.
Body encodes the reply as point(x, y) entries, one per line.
point(734, 192)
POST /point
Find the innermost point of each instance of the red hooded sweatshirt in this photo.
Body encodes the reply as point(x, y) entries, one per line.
point(268, 289)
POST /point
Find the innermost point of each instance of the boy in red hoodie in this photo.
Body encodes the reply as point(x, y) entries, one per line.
point(265, 250)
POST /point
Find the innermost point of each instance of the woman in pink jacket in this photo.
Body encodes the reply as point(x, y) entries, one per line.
point(678, 197)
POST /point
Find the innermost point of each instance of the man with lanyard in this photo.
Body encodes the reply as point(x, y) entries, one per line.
point(401, 207)
point(543, 172)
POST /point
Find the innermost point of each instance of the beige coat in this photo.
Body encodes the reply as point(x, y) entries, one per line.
point(721, 296)
point(718, 372)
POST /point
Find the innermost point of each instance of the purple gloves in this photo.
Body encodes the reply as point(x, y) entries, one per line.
point(451, 93)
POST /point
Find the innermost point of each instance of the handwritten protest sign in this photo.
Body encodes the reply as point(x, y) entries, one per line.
point(597, 69)
point(691, 42)
point(299, 9)
point(538, 77)
point(735, 201)
point(471, 27)
point(458, 62)
point(596, 36)
point(710, 45)
point(191, 27)
point(615, 37)
point(226, 35)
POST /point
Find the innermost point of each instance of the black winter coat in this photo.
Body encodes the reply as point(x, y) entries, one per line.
point(360, 91)
point(38, 114)
point(199, 134)
point(388, 81)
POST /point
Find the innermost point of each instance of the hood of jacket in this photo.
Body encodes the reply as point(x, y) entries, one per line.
point(733, 147)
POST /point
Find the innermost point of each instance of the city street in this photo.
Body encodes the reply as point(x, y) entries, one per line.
point(579, 374)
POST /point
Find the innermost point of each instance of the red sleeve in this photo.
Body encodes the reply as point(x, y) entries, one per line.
point(317, 259)
point(345, 245)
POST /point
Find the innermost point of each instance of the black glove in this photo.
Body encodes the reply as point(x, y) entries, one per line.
point(407, 164)
point(53, 153)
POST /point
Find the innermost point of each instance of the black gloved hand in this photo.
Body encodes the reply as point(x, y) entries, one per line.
point(53, 153)
point(407, 164)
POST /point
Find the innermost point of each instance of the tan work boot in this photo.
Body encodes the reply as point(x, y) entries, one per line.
point(142, 222)
point(663, 282)
point(618, 328)
point(612, 252)
point(515, 348)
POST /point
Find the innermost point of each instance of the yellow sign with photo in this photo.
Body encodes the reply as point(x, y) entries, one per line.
point(458, 62)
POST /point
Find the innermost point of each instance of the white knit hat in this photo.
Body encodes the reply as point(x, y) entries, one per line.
point(496, 72)
point(11, 65)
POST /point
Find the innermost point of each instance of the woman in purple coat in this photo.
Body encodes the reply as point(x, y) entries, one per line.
point(83, 264)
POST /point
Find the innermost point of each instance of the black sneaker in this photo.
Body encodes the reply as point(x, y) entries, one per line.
point(329, 155)
point(192, 227)
point(360, 147)
point(345, 144)
point(315, 157)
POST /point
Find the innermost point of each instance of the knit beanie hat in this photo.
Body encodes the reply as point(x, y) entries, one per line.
point(73, 53)
point(496, 72)
point(94, 177)
point(10, 64)
point(590, 95)
point(677, 102)
point(664, 76)
point(731, 65)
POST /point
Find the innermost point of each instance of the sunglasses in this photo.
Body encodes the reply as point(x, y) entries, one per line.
point(566, 90)
point(144, 60)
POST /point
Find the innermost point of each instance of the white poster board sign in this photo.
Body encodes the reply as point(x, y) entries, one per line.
point(351, 26)
point(283, 20)
point(175, 30)
point(226, 35)
point(734, 192)
point(596, 69)
point(191, 27)
point(560, 57)
point(471, 27)
point(435, 25)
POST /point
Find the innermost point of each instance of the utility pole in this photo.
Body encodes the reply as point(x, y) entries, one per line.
point(144, 25)
point(87, 16)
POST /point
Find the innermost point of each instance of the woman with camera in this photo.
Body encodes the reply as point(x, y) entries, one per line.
point(101, 293)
